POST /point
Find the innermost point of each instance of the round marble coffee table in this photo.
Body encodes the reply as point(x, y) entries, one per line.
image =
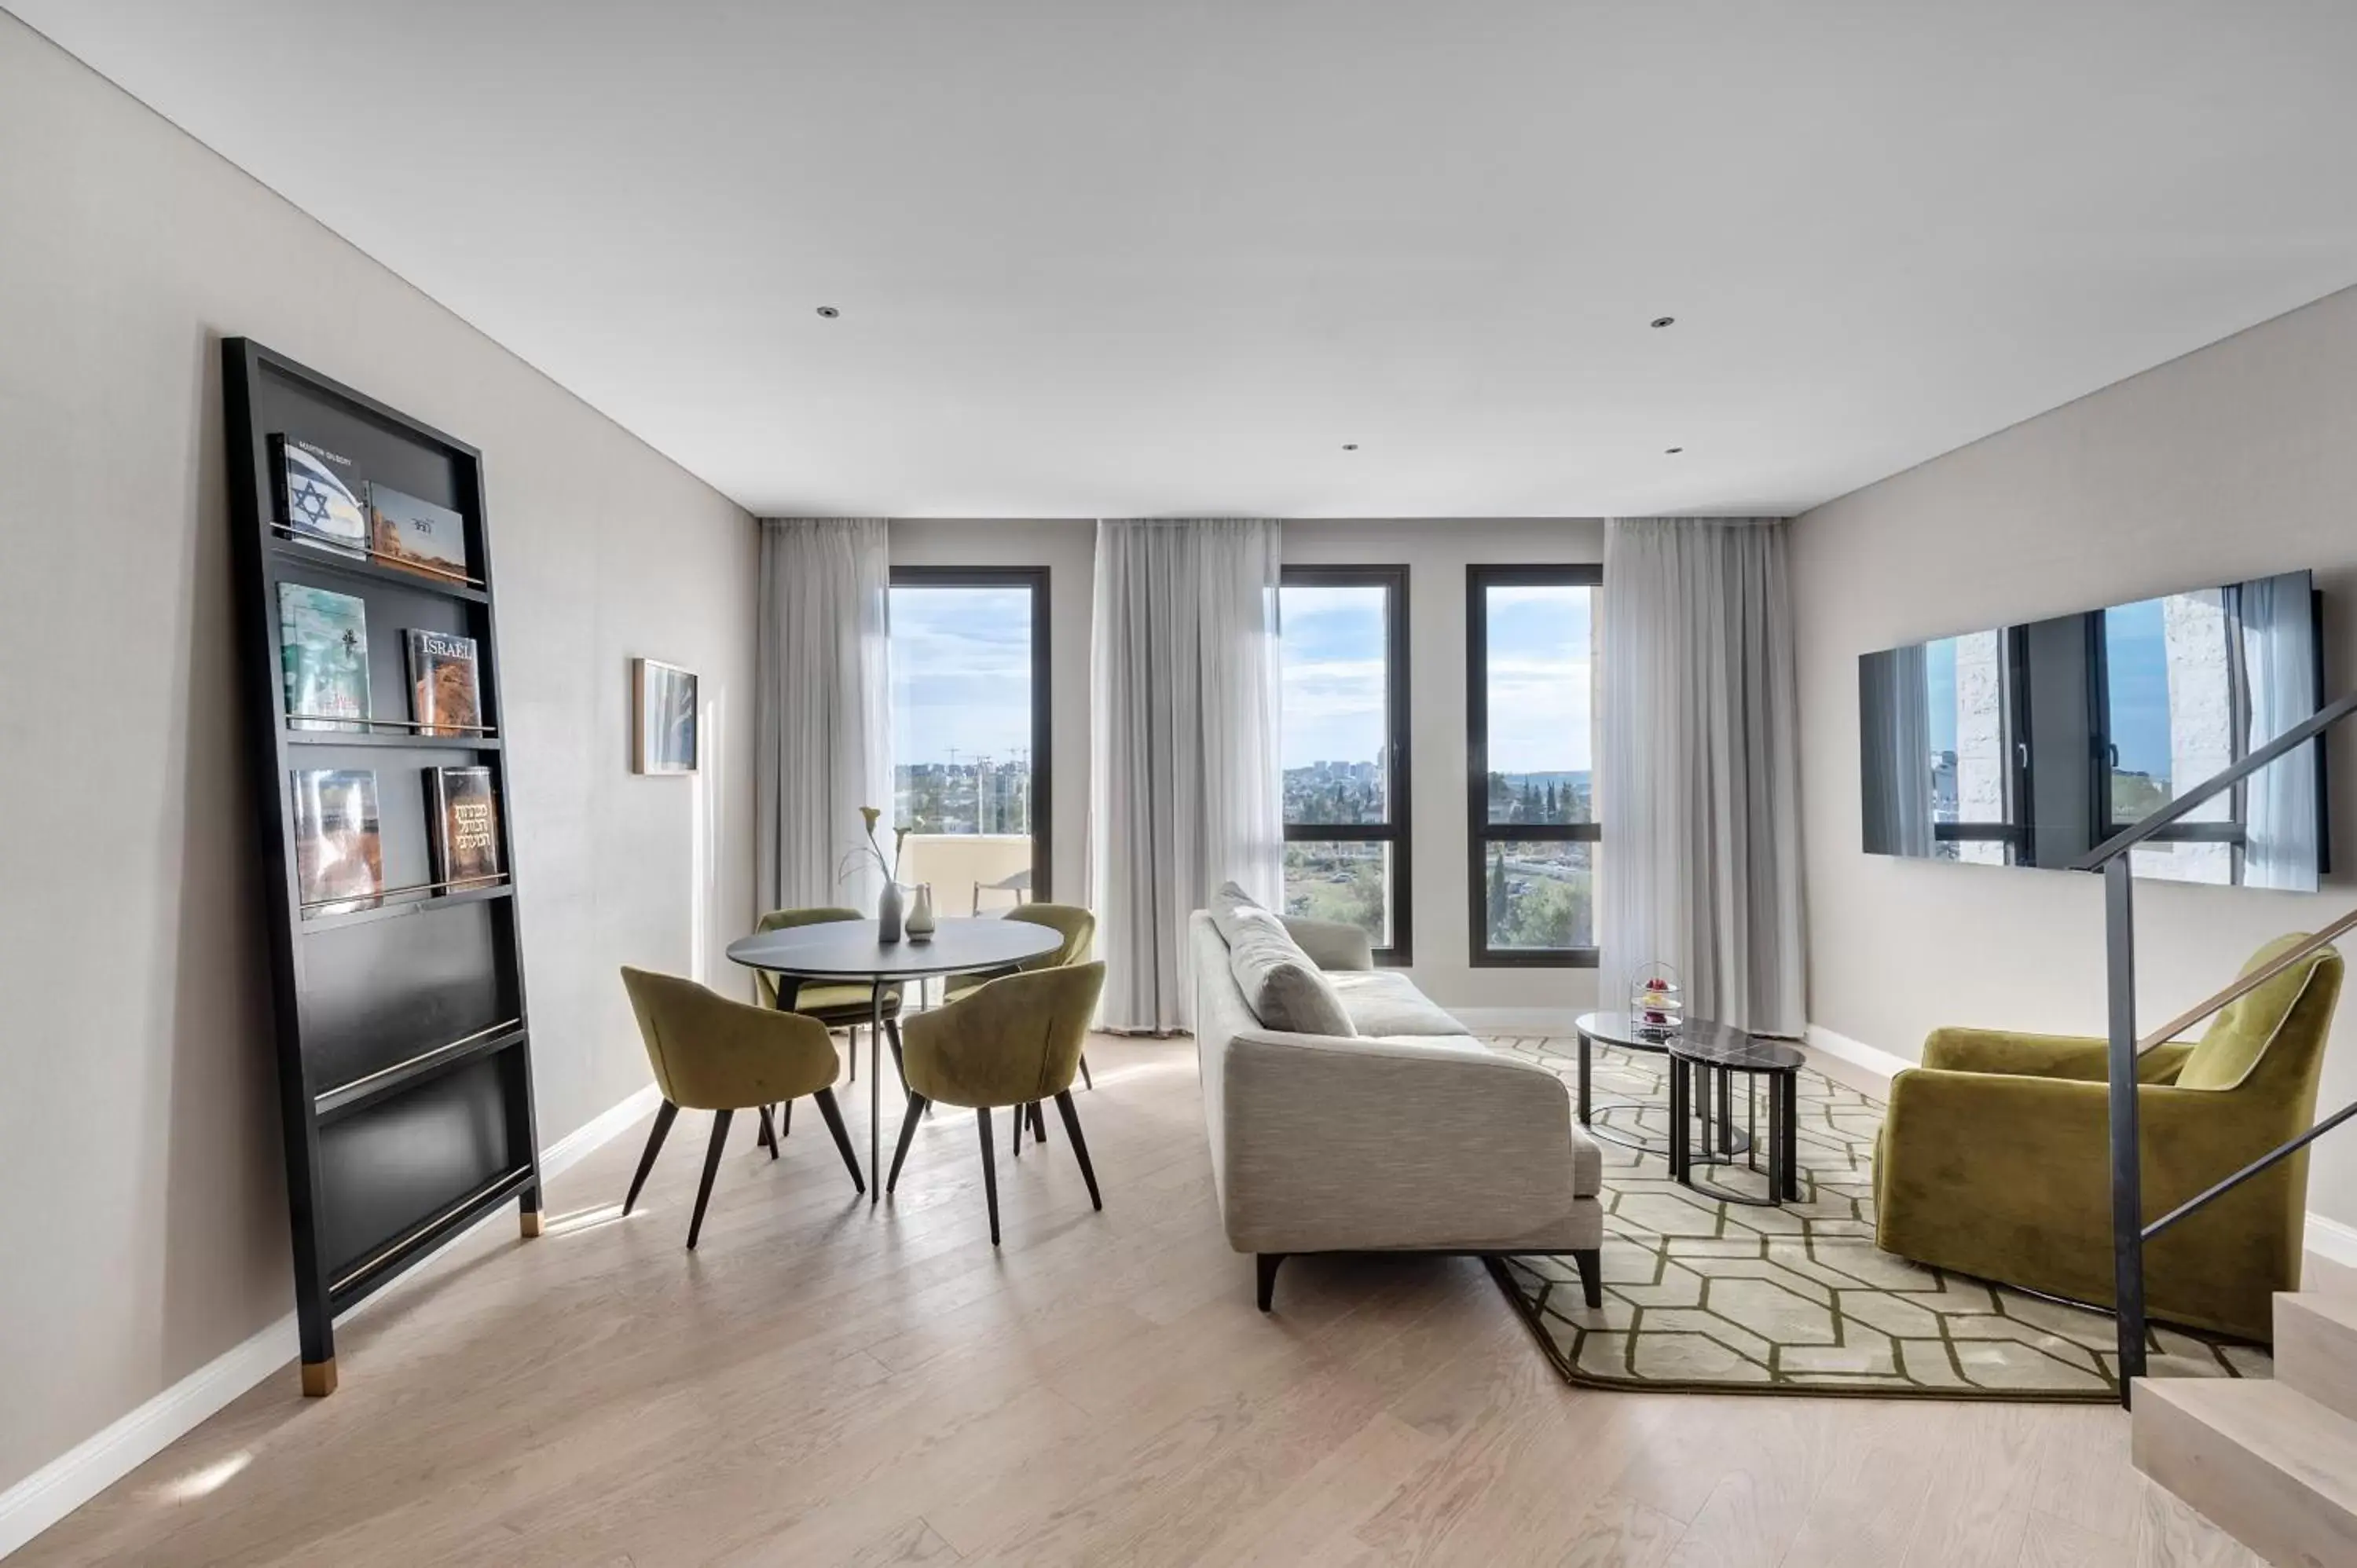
point(1619, 1029)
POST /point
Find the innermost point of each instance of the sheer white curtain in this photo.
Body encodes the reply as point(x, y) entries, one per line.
point(1186, 791)
point(1699, 791)
point(822, 686)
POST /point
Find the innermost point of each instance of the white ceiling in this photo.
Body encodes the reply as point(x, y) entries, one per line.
point(1111, 257)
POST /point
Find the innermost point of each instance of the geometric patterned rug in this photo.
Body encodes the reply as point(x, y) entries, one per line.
point(1702, 1295)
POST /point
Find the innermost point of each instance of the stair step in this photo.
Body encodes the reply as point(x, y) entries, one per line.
point(2261, 1461)
point(2316, 1348)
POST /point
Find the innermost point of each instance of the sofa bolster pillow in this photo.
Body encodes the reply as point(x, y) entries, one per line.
point(1282, 988)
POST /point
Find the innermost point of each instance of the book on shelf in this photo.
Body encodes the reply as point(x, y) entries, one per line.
point(320, 495)
point(323, 649)
point(338, 854)
point(463, 833)
point(442, 696)
point(416, 534)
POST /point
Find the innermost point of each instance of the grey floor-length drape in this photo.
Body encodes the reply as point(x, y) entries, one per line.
point(825, 725)
point(1186, 789)
point(1699, 792)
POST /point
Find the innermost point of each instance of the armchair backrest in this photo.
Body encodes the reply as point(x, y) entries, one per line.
point(1074, 924)
point(779, 921)
point(2271, 1039)
point(1013, 1041)
point(709, 1053)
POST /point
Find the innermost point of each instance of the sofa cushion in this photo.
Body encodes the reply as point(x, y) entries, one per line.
point(1282, 988)
point(1385, 1001)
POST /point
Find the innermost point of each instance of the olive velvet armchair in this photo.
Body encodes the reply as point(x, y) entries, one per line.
point(1995, 1157)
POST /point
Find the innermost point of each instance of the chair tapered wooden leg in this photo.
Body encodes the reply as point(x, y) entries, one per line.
point(989, 1173)
point(785, 1118)
point(664, 1115)
point(1079, 1144)
point(1039, 1123)
point(711, 1168)
point(1018, 1131)
point(1265, 1267)
point(832, 1114)
point(1591, 1275)
point(1085, 1078)
point(908, 1135)
point(768, 1136)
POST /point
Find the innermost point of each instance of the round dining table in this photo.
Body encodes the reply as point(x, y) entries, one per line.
point(852, 953)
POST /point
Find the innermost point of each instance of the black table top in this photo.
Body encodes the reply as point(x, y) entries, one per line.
point(1697, 1039)
point(847, 949)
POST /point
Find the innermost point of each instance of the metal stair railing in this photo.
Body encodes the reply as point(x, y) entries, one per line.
point(2130, 1232)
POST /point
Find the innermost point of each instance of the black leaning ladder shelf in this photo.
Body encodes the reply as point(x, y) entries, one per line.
point(404, 1064)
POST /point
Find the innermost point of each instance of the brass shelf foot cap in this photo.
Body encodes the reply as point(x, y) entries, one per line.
point(531, 1222)
point(319, 1379)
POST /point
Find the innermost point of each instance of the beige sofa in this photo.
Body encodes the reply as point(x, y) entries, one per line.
point(1410, 1137)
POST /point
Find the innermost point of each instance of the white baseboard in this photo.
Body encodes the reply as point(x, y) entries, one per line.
point(602, 1128)
point(1517, 1020)
point(1858, 1053)
point(96, 1463)
point(2331, 1240)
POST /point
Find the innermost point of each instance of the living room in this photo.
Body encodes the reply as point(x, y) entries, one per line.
point(1548, 786)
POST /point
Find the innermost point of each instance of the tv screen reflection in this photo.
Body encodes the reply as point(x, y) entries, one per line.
point(2031, 745)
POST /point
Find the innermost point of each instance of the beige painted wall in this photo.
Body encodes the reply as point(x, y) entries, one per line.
point(2230, 463)
point(144, 1230)
point(1436, 550)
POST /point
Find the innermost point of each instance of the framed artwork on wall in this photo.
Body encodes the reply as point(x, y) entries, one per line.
point(662, 709)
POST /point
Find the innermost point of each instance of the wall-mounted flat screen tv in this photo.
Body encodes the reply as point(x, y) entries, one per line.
point(2030, 745)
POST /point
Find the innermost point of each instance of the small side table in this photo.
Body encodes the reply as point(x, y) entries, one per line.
point(1720, 1055)
point(1619, 1029)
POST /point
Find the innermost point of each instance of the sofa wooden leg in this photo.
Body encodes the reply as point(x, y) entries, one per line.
point(1267, 1263)
point(1591, 1275)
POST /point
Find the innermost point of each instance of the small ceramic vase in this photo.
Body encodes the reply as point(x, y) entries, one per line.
point(888, 914)
point(921, 914)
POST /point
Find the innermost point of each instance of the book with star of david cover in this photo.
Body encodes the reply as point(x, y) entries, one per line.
point(320, 495)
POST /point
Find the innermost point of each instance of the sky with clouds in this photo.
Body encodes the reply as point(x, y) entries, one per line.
point(961, 675)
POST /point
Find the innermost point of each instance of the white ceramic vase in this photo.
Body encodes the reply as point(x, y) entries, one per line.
point(888, 914)
point(921, 914)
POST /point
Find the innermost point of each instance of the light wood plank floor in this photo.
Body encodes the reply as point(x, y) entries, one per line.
point(820, 1383)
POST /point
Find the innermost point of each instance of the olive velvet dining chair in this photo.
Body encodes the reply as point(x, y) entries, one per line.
point(1079, 930)
point(712, 1054)
point(1015, 1041)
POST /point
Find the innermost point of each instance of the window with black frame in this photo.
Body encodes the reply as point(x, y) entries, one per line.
point(971, 766)
point(1531, 741)
point(1344, 666)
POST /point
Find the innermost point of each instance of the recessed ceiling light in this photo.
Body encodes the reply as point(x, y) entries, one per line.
point(829, 311)
point(1665, 321)
point(1349, 446)
point(1672, 451)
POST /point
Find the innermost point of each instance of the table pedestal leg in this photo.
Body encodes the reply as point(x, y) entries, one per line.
point(875, 1087)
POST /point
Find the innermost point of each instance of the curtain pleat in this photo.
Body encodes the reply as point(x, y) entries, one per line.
point(822, 685)
point(1700, 788)
point(1186, 791)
